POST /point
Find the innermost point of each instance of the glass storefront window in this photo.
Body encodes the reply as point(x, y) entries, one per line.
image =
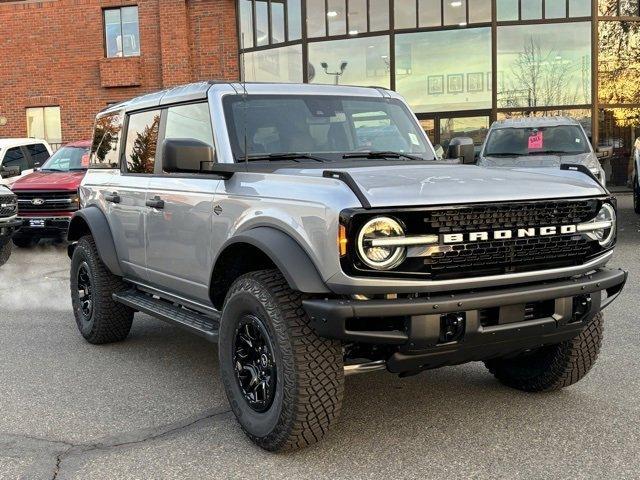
point(262, 23)
point(580, 114)
point(316, 19)
point(618, 62)
point(608, 8)
point(507, 10)
point(444, 80)
point(555, 9)
point(544, 65)
point(474, 127)
point(356, 61)
point(246, 24)
point(277, 22)
point(629, 8)
point(579, 8)
point(619, 128)
point(336, 16)
point(531, 10)
point(357, 16)
point(293, 19)
point(455, 12)
point(404, 14)
point(378, 15)
point(429, 13)
point(479, 11)
point(282, 64)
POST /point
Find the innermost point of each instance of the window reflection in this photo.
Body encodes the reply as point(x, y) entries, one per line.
point(474, 127)
point(336, 16)
point(479, 11)
point(246, 24)
point(282, 64)
point(544, 65)
point(507, 10)
point(582, 115)
point(404, 14)
point(436, 83)
point(293, 19)
point(629, 8)
point(277, 22)
point(531, 9)
point(618, 63)
point(555, 9)
point(316, 19)
point(378, 15)
point(356, 61)
point(579, 8)
point(619, 128)
point(429, 13)
point(455, 12)
point(357, 16)
point(262, 23)
point(608, 8)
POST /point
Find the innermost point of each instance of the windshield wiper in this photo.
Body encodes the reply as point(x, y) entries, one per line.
point(382, 155)
point(553, 152)
point(282, 156)
point(51, 170)
point(77, 169)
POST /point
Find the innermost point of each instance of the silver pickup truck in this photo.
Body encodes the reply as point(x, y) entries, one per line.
point(310, 233)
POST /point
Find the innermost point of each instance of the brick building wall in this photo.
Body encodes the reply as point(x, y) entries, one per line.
point(52, 53)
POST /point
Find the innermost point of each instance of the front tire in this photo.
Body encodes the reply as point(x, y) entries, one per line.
point(284, 382)
point(99, 318)
point(552, 367)
point(5, 252)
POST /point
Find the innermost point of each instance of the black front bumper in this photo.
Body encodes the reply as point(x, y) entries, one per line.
point(494, 322)
point(7, 229)
point(43, 227)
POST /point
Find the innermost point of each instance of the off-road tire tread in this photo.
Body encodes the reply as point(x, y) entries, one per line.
point(5, 252)
point(112, 320)
point(313, 366)
point(564, 365)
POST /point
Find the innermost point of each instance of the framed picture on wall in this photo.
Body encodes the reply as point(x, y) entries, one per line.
point(435, 84)
point(475, 82)
point(455, 83)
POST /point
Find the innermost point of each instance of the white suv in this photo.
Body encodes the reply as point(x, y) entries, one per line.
point(19, 156)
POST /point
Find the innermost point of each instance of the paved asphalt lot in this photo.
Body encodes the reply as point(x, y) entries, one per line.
point(153, 406)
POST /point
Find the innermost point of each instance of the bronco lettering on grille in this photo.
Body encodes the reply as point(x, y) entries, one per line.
point(508, 234)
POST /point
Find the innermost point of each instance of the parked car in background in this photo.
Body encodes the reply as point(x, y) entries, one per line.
point(8, 222)
point(20, 156)
point(634, 179)
point(534, 142)
point(48, 197)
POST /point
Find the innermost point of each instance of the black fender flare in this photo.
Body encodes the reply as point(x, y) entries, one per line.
point(96, 221)
point(297, 268)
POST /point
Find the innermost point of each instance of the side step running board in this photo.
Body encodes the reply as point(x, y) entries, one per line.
point(204, 325)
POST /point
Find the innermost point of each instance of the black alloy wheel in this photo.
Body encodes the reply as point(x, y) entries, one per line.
point(85, 289)
point(254, 363)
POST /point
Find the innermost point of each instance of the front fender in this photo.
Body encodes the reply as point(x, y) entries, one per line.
point(296, 266)
point(92, 220)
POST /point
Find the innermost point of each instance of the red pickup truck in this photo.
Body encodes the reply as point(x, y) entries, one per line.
point(48, 197)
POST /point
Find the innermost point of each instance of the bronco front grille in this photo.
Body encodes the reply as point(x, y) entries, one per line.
point(29, 202)
point(484, 257)
point(8, 206)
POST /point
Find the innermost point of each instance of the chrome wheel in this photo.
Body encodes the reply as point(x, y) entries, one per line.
point(254, 363)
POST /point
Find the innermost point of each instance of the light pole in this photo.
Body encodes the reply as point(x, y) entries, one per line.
point(337, 74)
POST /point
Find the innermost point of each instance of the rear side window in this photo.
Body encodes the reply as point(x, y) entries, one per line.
point(15, 158)
point(142, 141)
point(39, 153)
point(190, 121)
point(106, 142)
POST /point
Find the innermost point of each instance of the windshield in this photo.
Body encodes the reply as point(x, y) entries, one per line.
point(325, 127)
point(68, 158)
point(557, 140)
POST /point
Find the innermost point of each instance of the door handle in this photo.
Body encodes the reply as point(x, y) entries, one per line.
point(112, 197)
point(155, 202)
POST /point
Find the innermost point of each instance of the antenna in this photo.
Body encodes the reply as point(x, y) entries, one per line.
point(243, 74)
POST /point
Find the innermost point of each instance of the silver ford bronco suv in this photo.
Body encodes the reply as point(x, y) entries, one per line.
point(310, 233)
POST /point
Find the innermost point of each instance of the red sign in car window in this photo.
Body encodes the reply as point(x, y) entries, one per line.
point(536, 141)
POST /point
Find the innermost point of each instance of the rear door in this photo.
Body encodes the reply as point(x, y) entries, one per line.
point(179, 216)
point(128, 195)
point(38, 153)
point(17, 157)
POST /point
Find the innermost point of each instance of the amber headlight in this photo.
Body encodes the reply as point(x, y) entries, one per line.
point(375, 243)
point(603, 227)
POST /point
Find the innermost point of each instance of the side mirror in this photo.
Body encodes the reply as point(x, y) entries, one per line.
point(604, 152)
point(8, 172)
point(187, 155)
point(462, 148)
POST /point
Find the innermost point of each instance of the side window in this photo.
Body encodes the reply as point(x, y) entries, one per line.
point(15, 158)
point(142, 140)
point(39, 153)
point(106, 142)
point(190, 121)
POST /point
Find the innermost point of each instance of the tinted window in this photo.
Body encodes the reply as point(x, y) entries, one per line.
point(106, 142)
point(68, 158)
point(122, 37)
point(142, 140)
point(38, 152)
point(15, 158)
point(190, 121)
point(564, 139)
